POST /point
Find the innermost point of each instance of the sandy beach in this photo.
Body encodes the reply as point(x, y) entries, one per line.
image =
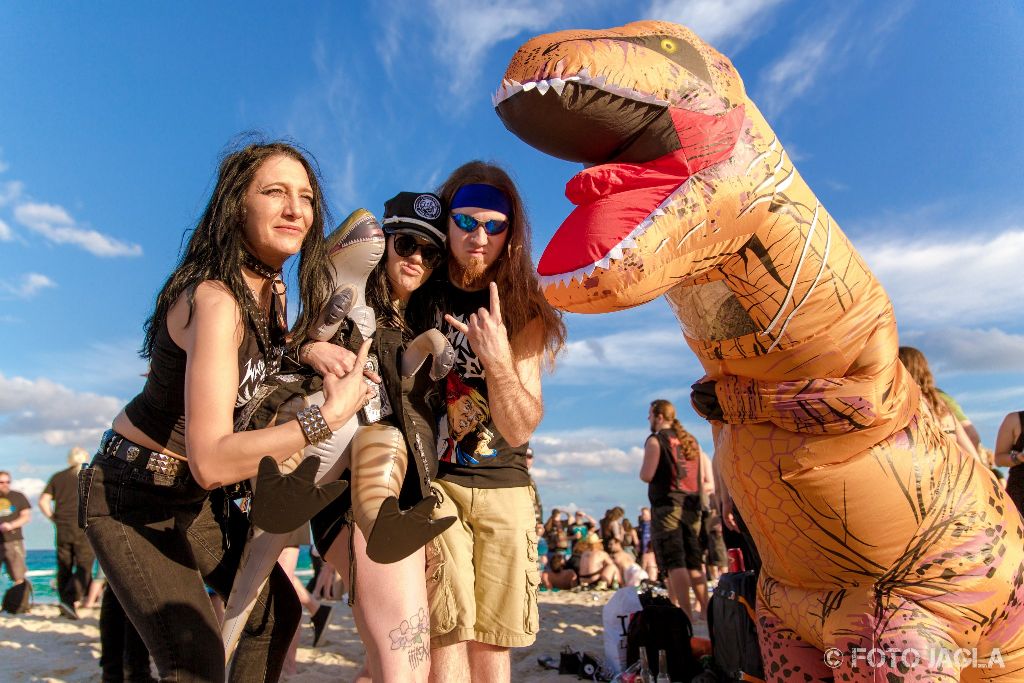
point(42, 646)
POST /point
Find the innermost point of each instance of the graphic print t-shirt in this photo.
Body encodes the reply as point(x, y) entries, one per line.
point(10, 506)
point(471, 450)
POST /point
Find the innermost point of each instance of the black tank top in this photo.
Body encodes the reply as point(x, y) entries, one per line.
point(1015, 480)
point(676, 477)
point(159, 409)
point(472, 451)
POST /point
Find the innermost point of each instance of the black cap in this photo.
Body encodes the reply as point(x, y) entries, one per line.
point(416, 213)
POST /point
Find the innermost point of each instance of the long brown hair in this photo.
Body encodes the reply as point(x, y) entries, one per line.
point(515, 275)
point(214, 249)
point(688, 445)
point(917, 365)
point(379, 297)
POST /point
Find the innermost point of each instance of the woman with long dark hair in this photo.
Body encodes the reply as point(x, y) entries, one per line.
point(394, 456)
point(218, 329)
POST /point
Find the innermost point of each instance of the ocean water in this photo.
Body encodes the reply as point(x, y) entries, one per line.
point(42, 572)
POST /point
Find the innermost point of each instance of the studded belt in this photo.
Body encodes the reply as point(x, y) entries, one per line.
point(166, 470)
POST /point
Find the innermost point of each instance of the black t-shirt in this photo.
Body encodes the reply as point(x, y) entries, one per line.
point(63, 486)
point(471, 450)
point(10, 506)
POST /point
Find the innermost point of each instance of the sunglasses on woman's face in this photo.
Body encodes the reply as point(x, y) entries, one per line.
point(407, 245)
point(467, 223)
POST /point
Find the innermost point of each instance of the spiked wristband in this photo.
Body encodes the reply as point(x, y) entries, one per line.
point(313, 424)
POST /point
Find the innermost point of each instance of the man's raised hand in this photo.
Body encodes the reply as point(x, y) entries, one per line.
point(486, 332)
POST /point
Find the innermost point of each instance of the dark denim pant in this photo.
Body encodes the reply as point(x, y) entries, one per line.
point(74, 564)
point(123, 656)
point(157, 546)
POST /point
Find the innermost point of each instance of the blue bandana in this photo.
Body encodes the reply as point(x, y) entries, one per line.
point(482, 197)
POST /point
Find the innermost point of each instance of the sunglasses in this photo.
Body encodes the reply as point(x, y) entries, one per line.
point(469, 224)
point(407, 245)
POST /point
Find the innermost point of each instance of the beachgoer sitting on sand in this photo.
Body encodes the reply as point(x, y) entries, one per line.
point(597, 569)
point(620, 557)
point(558, 575)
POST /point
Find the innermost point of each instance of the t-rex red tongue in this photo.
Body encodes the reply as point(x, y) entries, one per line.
point(613, 199)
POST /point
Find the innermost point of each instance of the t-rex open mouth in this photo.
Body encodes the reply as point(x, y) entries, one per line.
point(644, 152)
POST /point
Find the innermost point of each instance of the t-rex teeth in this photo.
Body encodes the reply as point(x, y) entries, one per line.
point(558, 85)
point(543, 87)
point(584, 73)
point(529, 85)
point(615, 253)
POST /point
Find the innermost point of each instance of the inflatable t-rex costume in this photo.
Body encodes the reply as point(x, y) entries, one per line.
point(875, 531)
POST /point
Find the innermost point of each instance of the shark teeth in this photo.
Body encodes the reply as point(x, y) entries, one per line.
point(617, 253)
point(511, 87)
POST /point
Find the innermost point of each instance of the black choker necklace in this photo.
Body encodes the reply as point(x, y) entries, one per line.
point(272, 336)
point(259, 267)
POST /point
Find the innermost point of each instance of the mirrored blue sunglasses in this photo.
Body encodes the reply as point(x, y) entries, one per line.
point(467, 223)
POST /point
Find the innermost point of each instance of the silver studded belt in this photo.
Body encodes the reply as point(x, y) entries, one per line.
point(166, 470)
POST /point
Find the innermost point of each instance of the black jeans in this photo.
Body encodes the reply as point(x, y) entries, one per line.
point(123, 656)
point(74, 564)
point(158, 545)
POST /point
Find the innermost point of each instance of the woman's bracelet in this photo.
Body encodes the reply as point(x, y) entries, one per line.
point(313, 424)
point(1015, 457)
point(303, 352)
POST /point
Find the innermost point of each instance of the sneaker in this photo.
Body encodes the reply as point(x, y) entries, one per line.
point(320, 621)
point(67, 611)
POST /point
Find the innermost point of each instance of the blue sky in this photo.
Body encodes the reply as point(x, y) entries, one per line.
point(904, 117)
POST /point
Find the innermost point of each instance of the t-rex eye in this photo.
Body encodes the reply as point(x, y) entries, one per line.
point(669, 45)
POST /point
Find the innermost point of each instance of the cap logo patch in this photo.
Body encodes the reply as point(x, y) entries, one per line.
point(426, 206)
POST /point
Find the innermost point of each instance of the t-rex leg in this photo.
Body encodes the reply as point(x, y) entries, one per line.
point(380, 461)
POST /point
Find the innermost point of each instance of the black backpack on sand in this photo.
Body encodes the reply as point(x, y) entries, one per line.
point(733, 630)
point(660, 625)
point(18, 598)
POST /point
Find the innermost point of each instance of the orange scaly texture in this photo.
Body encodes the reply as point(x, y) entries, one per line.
point(874, 529)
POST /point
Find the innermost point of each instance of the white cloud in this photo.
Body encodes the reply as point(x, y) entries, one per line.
point(30, 486)
point(795, 72)
point(555, 453)
point(53, 413)
point(957, 350)
point(827, 47)
point(719, 23)
point(56, 225)
point(5, 232)
point(646, 351)
point(467, 29)
point(949, 280)
point(29, 285)
point(10, 191)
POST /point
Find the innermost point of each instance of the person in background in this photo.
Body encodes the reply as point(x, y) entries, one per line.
point(581, 526)
point(630, 540)
point(597, 569)
point(672, 469)
point(538, 506)
point(917, 366)
point(123, 655)
point(556, 533)
point(15, 512)
point(59, 504)
point(1010, 453)
point(645, 549)
point(319, 614)
point(969, 429)
point(558, 576)
point(542, 548)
